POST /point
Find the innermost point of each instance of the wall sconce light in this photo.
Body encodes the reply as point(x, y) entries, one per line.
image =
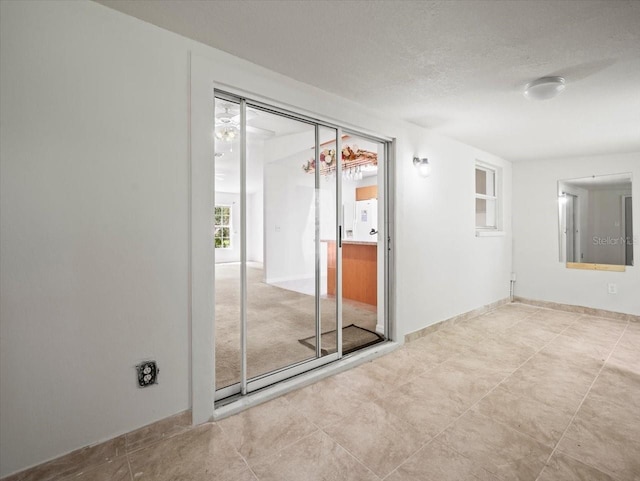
point(422, 166)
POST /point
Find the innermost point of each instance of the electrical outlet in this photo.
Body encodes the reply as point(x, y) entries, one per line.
point(613, 288)
point(147, 373)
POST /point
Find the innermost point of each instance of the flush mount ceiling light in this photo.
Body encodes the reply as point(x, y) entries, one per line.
point(422, 166)
point(544, 88)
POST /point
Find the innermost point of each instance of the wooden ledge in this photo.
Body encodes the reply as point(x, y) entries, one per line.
point(595, 267)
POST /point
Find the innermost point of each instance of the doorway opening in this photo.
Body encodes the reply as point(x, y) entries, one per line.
point(628, 229)
point(570, 228)
point(301, 244)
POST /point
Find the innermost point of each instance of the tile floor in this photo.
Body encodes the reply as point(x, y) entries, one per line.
point(520, 393)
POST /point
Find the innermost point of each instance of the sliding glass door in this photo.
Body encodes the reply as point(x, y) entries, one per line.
point(278, 237)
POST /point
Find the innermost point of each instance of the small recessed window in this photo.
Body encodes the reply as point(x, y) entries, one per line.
point(487, 198)
point(222, 236)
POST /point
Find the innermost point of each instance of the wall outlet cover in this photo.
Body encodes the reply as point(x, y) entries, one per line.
point(147, 373)
point(612, 288)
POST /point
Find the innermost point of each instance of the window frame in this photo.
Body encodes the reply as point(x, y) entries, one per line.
point(217, 226)
point(496, 197)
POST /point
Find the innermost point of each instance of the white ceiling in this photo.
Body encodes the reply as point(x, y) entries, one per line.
point(458, 67)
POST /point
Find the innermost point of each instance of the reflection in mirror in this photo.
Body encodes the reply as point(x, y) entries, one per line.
point(595, 220)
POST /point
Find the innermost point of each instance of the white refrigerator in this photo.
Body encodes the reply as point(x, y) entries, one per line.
point(365, 223)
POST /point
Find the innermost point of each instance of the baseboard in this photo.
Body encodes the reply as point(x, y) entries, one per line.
point(590, 311)
point(412, 336)
point(74, 462)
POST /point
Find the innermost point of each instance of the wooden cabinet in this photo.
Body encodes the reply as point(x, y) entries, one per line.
point(359, 271)
point(366, 193)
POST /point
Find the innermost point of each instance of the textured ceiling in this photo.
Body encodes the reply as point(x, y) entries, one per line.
point(457, 67)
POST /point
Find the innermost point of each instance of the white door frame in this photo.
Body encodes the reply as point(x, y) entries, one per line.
point(204, 76)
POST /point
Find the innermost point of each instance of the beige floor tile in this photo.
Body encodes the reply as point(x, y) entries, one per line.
point(552, 381)
point(503, 351)
point(555, 321)
point(316, 457)
point(607, 437)
point(596, 329)
point(496, 447)
point(564, 468)
point(115, 470)
point(618, 386)
point(202, 453)
point(380, 440)
point(587, 352)
point(437, 462)
point(626, 354)
point(487, 368)
point(326, 401)
point(429, 411)
point(543, 422)
point(517, 307)
point(499, 320)
point(443, 344)
point(403, 364)
point(370, 380)
point(246, 475)
point(265, 429)
point(610, 325)
point(530, 334)
point(435, 399)
point(632, 333)
point(464, 333)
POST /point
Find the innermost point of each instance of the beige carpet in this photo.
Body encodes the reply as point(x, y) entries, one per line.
point(276, 319)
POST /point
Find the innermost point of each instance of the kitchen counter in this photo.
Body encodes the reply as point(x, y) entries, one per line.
point(358, 242)
point(351, 241)
point(359, 270)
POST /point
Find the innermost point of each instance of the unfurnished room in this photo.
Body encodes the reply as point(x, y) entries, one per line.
point(300, 240)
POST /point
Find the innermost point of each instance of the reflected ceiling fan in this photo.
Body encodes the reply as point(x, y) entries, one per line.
point(228, 123)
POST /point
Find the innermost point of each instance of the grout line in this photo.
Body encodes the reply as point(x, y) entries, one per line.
point(358, 460)
point(584, 398)
point(129, 465)
point(609, 475)
point(267, 456)
point(494, 388)
point(321, 429)
point(501, 382)
point(489, 392)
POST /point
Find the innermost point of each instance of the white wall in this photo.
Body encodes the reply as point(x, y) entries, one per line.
point(443, 268)
point(255, 221)
point(289, 222)
point(94, 238)
point(94, 228)
point(540, 274)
